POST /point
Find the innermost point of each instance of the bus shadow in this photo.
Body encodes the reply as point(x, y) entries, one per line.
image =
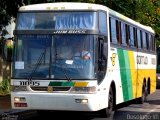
point(121, 113)
point(154, 102)
point(71, 115)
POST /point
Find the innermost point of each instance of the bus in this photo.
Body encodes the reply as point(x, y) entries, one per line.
point(119, 64)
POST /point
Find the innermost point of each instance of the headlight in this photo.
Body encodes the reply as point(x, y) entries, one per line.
point(19, 99)
point(83, 89)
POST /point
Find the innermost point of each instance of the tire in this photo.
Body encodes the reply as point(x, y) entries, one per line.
point(109, 109)
point(143, 99)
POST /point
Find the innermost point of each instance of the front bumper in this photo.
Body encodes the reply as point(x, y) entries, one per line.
point(59, 101)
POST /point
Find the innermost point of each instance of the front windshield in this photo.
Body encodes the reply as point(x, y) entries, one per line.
point(54, 57)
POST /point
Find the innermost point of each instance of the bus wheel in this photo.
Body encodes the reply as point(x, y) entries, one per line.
point(109, 109)
point(143, 99)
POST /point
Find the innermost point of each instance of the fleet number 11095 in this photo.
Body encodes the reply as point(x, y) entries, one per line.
point(32, 83)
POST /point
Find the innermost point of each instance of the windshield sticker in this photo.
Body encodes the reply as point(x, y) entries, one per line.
point(19, 65)
point(52, 76)
point(69, 62)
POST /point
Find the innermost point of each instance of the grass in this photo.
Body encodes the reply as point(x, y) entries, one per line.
point(5, 87)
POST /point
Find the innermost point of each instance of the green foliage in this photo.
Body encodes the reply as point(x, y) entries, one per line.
point(158, 44)
point(8, 9)
point(146, 12)
point(0, 46)
point(5, 87)
point(4, 32)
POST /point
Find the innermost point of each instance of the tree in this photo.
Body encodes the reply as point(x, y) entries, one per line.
point(8, 9)
point(146, 12)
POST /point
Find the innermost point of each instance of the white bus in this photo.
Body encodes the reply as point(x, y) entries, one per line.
point(118, 64)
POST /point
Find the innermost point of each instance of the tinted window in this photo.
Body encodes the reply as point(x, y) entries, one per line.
point(123, 29)
point(56, 20)
point(113, 30)
point(144, 40)
point(131, 36)
point(102, 22)
point(139, 38)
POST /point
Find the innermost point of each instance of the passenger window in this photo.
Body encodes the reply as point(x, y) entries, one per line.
point(144, 40)
point(123, 29)
point(150, 41)
point(113, 30)
point(153, 43)
point(139, 38)
point(131, 36)
point(135, 36)
point(118, 31)
point(127, 34)
point(147, 41)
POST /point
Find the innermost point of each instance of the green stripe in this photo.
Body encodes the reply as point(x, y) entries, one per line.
point(64, 84)
point(125, 74)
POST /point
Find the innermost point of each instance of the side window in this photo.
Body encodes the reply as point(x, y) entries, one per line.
point(153, 43)
point(135, 36)
point(144, 40)
point(118, 31)
point(139, 38)
point(150, 41)
point(127, 34)
point(123, 29)
point(113, 30)
point(102, 22)
point(147, 41)
point(131, 37)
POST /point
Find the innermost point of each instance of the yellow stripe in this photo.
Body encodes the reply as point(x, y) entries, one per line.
point(146, 73)
point(133, 72)
point(138, 76)
point(81, 84)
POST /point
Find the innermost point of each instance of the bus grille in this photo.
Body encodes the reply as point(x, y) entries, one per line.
point(55, 89)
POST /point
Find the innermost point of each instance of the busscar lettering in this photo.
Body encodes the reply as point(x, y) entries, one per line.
point(153, 61)
point(142, 59)
point(32, 83)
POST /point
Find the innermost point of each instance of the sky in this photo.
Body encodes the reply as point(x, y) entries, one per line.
point(10, 29)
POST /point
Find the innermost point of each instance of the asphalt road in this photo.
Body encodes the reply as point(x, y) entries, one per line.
point(128, 111)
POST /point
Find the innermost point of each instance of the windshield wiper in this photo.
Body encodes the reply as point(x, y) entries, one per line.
point(38, 63)
point(65, 73)
point(63, 69)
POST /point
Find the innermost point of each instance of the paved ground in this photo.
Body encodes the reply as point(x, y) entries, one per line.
point(6, 113)
point(5, 104)
point(150, 109)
